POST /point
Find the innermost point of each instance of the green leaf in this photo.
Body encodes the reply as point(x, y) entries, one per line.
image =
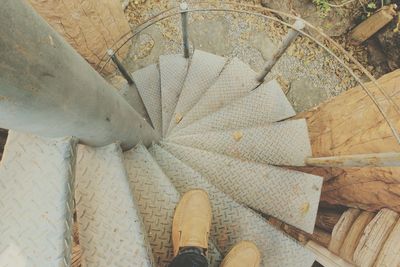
point(371, 5)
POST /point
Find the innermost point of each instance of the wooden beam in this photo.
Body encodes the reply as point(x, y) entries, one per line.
point(327, 219)
point(390, 159)
point(325, 257)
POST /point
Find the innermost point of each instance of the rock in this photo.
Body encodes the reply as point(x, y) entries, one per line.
point(377, 57)
point(336, 22)
point(304, 95)
point(264, 44)
point(389, 38)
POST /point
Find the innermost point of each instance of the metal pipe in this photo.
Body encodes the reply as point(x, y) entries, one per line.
point(120, 67)
point(185, 35)
point(47, 89)
point(287, 41)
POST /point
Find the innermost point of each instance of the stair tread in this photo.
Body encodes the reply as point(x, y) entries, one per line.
point(235, 81)
point(280, 143)
point(288, 195)
point(147, 81)
point(233, 222)
point(173, 70)
point(106, 211)
point(204, 68)
point(36, 183)
point(264, 105)
point(156, 198)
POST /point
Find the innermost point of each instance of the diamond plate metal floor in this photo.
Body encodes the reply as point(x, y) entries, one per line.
point(290, 196)
point(147, 81)
point(281, 143)
point(110, 228)
point(234, 82)
point(36, 203)
point(233, 222)
point(173, 70)
point(262, 106)
point(157, 199)
point(203, 70)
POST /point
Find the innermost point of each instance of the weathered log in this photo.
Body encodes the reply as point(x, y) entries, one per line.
point(327, 219)
point(354, 234)
point(390, 253)
point(374, 237)
point(350, 124)
point(341, 229)
point(325, 257)
point(90, 26)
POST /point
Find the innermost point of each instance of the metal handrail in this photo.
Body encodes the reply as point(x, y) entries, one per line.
point(175, 11)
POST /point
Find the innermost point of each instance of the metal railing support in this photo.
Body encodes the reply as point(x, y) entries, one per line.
point(185, 35)
point(120, 67)
point(390, 159)
point(47, 89)
point(287, 41)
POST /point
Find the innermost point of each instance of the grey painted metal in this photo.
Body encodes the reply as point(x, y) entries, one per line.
point(120, 67)
point(47, 89)
point(110, 228)
point(157, 198)
point(147, 81)
point(281, 143)
point(287, 41)
point(173, 70)
point(235, 81)
point(288, 195)
point(390, 159)
point(185, 34)
point(204, 69)
point(233, 222)
point(36, 201)
point(262, 106)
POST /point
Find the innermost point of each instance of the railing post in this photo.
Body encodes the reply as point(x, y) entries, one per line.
point(47, 89)
point(185, 35)
point(120, 67)
point(287, 41)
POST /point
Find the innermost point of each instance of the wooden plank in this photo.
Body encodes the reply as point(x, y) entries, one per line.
point(325, 257)
point(374, 23)
point(390, 159)
point(390, 253)
point(354, 234)
point(90, 26)
point(373, 238)
point(341, 229)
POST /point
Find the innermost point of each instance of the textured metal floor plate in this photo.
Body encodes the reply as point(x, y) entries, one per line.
point(233, 222)
point(235, 81)
point(36, 201)
point(204, 68)
point(157, 198)
point(110, 229)
point(147, 81)
point(173, 70)
point(264, 105)
point(280, 143)
point(290, 196)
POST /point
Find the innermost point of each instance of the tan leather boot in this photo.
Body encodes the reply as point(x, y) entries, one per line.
point(244, 253)
point(192, 221)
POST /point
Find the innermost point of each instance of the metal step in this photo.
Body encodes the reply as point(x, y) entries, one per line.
point(288, 195)
point(36, 201)
point(157, 198)
point(233, 222)
point(147, 81)
point(280, 143)
point(173, 70)
point(111, 232)
point(262, 106)
point(235, 81)
point(203, 70)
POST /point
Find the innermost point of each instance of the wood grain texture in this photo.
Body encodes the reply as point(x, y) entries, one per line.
point(327, 219)
point(374, 237)
point(325, 257)
point(350, 124)
point(390, 253)
point(354, 234)
point(341, 229)
point(89, 26)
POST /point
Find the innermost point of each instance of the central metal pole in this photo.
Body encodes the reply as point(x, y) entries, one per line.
point(185, 35)
point(120, 67)
point(47, 89)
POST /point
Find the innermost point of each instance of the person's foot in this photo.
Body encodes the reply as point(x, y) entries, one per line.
point(244, 253)
point(192, 221)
